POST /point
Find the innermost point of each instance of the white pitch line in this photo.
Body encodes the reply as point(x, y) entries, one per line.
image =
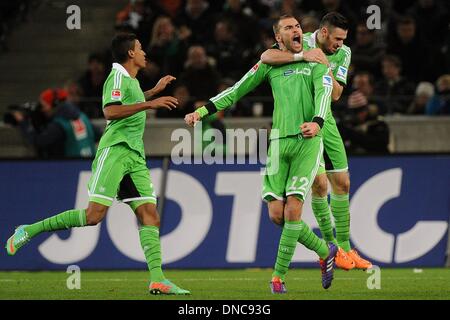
point(217, 279)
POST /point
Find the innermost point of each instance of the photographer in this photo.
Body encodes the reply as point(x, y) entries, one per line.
point(362, 128)
point(62, 131)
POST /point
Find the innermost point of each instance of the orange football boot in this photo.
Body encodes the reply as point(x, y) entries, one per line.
point(343, 261)
point(360, 263)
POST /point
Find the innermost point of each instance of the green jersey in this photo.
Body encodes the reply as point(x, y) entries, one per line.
point(339, 61)
point(301, 91)
point(121, 89)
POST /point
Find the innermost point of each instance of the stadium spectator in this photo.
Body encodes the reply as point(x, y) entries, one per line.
point(185, 104)
point(440, 103)
point(195, 22)
point(363, 94)
point(167, 47)
point(362, 128)
point(138, 17)
point(170, 7)
point(396, 91)
point(367, 52)
point(431, 18)
point(225, 49)
point(309, 24)
point(91, 83)
point(411, 51)
point(69, 132)
point(243, 20)
point(424, 92)
point(201, 78)
point(343, 8)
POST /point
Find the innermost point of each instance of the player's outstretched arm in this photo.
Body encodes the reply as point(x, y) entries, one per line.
point(160, 86)
point(119, 111)
point(192, 118)
point(231, 95)
point(276, 57)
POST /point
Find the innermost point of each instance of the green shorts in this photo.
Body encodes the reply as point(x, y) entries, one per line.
point(121, 172)
point(292, 165)
point(334, 155)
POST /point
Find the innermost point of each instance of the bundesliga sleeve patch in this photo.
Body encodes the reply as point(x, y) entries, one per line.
point(116, 95)
point(254, 69)
point(327, 82)
point(342, 72)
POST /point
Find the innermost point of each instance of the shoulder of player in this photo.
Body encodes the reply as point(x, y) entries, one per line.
point(345, 51)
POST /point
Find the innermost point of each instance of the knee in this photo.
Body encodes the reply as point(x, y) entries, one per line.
point(320, 186)
point(343, 186)
point(293, 209)
point(148, 215)
point(276, 216)
point(95, 216)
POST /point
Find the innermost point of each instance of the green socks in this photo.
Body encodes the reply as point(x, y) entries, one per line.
point(286, 248)
point(340, 207)
point(149, 236)
point(62, 221)
point(323, 216)
point(311, 241)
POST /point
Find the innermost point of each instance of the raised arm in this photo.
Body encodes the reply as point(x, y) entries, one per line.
point(275, 57)
point(231, 95)
point(160, 86)
point(114, 92)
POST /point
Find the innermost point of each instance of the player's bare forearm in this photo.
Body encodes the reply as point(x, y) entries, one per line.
point(115, 112)
point(337, 89)
point(276, 57)
point(160, 86)
point(149, 94)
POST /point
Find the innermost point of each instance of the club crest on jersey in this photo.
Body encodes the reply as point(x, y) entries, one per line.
point(342, 72)
point(327, 82)
point(116, 95)
point(254, 69)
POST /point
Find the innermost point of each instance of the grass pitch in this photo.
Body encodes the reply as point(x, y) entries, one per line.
point(250, 284)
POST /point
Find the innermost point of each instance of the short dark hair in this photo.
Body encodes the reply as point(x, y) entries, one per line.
point(394, 60)
point(334, 20)
point(121, 44)
point(275, 25)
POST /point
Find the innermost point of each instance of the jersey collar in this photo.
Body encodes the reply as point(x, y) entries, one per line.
point(121, 69)
point(312, 39)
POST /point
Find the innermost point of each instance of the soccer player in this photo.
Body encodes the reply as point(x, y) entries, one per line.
point(302, 98)
point(329, 40)
point(119, 168)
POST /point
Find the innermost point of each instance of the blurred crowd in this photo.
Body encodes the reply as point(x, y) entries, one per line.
point(401, 68)
point(209, 45)
point(12, 13)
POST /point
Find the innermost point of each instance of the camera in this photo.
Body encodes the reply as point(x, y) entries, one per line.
point(28, 109)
